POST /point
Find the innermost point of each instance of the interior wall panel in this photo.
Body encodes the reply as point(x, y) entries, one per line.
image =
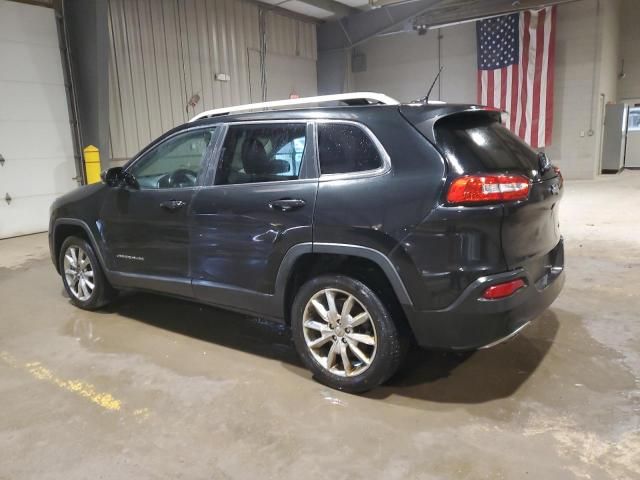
point(166, 52)
point(288, 36)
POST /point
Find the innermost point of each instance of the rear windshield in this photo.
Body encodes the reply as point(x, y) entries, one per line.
point(479, 143)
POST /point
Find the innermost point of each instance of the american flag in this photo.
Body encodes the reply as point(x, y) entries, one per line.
point(516, 69)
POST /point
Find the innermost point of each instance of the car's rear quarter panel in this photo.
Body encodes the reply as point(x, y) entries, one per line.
point(452, 248)
point(380, 212)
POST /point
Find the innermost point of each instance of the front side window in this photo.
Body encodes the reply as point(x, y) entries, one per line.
point(346, 148)
point(175, 163)
point(262, 153)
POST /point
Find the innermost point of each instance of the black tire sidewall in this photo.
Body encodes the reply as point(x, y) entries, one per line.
point(389, 348)
point(101, 288)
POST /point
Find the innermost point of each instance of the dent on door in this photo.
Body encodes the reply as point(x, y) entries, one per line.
point(241, 233)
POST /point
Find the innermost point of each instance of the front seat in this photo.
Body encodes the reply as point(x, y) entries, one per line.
point(258, 166)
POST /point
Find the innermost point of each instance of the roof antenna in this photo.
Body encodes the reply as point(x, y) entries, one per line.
point(426, 98)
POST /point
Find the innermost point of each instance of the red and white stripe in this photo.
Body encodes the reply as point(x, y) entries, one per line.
point(525, 90)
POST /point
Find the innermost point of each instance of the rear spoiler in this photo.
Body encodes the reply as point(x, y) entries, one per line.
point(425, 117)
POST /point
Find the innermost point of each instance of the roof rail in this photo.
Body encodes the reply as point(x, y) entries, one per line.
point(357, 98)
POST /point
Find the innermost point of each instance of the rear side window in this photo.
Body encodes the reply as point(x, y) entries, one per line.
point(262, 153)
point(480, 143)
point(346, 148)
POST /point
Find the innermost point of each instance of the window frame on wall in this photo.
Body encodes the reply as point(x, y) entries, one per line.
point(633, 111)
point(308, 168)
point(384, 156)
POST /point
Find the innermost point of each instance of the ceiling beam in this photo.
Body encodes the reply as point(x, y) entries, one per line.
point(356, 29)
point(39, 3)
point(464, 11)
point(339, 9)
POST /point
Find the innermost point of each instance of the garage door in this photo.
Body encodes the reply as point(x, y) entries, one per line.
point(36, 163)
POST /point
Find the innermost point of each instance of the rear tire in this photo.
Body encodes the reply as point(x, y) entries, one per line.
point(345, 335)
point(82, 275)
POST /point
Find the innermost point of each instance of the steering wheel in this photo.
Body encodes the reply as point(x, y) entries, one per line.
point(182, 177)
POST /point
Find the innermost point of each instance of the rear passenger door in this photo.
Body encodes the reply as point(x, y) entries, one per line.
point(258, 203)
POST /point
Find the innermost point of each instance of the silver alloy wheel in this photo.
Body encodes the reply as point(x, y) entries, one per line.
point(78, 273)
point(339, 332)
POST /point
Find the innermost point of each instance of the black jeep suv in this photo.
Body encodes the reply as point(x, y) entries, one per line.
point(363, 227)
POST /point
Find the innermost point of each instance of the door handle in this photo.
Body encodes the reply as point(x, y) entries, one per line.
point(287, 204)
point(173, 205)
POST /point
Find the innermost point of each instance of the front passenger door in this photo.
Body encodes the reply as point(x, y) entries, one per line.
point(146, 229)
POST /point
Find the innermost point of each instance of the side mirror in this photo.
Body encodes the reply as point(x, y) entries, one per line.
point(116, 177)
point(112, 177)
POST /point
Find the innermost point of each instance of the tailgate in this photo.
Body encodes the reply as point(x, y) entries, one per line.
point(530, 229)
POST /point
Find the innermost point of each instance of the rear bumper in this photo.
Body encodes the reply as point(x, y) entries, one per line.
point(471, 322)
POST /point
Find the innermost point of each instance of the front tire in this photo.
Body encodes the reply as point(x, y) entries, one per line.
point(345, 335)
point(82, 275)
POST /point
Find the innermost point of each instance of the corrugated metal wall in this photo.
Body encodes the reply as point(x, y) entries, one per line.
point(165, 51)
point(289, 36)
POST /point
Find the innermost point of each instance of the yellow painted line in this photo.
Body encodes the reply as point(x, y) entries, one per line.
point(8, 359)
point(78, 387)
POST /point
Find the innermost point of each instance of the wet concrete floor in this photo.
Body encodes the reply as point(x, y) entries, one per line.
point(154, 387)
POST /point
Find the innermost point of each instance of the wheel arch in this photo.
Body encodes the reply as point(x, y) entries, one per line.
point(306, 260)
point(66, 227)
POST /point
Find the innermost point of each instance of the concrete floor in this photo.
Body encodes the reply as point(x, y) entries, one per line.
point(159, 388)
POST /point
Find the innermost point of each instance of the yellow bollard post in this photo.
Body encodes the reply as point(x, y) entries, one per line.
point(92, 164)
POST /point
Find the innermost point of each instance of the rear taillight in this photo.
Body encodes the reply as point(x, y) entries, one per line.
point(503, 290)
point(488, 188)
